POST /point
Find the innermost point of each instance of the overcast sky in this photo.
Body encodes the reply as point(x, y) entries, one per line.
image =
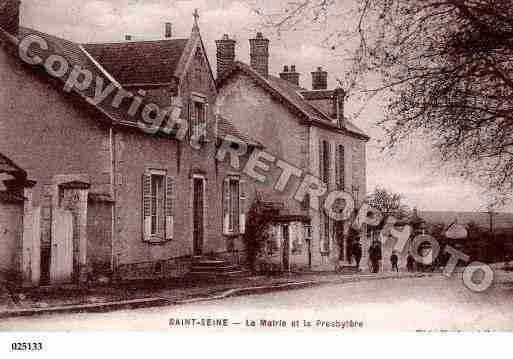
point(411, 172)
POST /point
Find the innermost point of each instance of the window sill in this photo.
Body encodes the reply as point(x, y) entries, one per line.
point(157, 240)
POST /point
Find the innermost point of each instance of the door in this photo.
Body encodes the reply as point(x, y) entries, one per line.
point(286, 247)
point(61, 252)
point(198, 214)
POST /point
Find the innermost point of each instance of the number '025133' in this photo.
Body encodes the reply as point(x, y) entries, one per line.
point(27, 346)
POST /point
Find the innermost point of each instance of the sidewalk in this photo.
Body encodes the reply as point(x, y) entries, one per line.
point(169, 292)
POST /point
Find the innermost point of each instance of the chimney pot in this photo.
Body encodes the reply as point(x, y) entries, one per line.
point(291, 76)
point(319, 79)
point(259, 54)
point(169, 30)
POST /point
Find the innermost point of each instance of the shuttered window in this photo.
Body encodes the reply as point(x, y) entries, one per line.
point(158, 206)
point(321, 160)
point(324, 161)
point(234, 205)
point(198, 114)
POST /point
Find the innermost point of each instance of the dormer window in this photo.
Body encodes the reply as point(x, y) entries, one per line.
point(198, 112)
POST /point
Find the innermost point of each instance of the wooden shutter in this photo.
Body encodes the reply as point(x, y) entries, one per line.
point(321, 161)
point(146, 206)
point(170, 211)
point(205, 120)
point(242, 206)
point(226, 205)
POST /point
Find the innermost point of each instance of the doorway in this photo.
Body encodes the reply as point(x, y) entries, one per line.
point(198, 213)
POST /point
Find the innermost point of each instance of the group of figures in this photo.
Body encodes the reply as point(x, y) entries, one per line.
point(376, 256)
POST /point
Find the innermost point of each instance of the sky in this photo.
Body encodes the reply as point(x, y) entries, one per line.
point(412, 170)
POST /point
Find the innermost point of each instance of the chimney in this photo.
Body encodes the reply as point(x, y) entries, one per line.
point(169, 30)
point(128, 37)
point(225, 54)
point(259, 54)
point(339, 97)
point(291, 76)
point(319, 79)
point(10, 16)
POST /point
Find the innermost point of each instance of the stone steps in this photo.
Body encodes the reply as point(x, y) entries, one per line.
point(215, 269)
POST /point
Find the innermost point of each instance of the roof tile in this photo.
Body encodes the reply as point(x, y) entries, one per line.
point(292, 95)
point(141, 62)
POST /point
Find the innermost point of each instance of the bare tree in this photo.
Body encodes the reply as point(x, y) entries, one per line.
point(447, 68)
point(389, 203)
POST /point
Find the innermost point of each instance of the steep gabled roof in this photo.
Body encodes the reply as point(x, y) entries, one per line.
point(76, 55)
point(140, 62)
point(290, 95)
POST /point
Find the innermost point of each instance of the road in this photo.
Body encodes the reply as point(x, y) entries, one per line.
point(433, 303)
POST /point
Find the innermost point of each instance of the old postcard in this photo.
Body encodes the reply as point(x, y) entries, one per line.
point(253, 166)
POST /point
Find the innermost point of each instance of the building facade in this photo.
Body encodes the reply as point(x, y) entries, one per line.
point(125, 144)
point(122, 188)
point(307, 130)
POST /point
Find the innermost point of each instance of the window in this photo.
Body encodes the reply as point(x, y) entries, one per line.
point(198, 109)
point(234, 216)
point(234, 205)
point(356, 191)
point(158, 211)
point(157, 205)
point(340, 168)
point(324, 161)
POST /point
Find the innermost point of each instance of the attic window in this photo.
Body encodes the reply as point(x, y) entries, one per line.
point(198, 120)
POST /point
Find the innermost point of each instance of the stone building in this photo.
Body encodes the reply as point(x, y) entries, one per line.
point(306, 129)
point(122, 189)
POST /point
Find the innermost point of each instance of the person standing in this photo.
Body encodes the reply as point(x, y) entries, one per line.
point(410, 262)
point(357, 253)
point(394, 259)
point(375, 256)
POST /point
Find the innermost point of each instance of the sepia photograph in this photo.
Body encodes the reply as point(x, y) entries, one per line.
point(255, 166)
